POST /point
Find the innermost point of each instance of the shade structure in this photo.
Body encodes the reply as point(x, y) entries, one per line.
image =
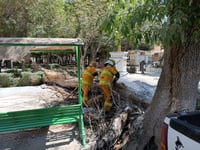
point(18, 43)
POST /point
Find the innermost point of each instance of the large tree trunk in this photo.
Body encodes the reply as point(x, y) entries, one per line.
point(176, 91)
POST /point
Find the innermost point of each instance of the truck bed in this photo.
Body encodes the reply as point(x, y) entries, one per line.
point(184, 128)
point(188, 124)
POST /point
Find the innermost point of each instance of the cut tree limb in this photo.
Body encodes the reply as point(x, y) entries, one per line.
point(62, 79)
point(95, 100)
point(125, 93)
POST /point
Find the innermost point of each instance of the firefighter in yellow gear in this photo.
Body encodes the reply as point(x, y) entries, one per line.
point(109, 75)
point(87, 79)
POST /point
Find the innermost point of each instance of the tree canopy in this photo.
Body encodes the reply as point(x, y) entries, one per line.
point(162, 21)
point(47, 18)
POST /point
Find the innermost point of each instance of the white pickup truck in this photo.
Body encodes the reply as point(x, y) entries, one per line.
point(181, 131)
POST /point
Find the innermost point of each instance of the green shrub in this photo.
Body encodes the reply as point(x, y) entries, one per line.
point(27, 69)
point(16, 72)
point(15, 81)
point(25, 79)
point(5, 79)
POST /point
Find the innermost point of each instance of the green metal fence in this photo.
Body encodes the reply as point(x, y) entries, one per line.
point(26, 119)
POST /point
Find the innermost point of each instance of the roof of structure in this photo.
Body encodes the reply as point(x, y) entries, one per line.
point(40, 41)
point(18, 48)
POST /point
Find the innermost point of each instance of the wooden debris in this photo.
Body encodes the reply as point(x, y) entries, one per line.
point(114, 128)
point(69, 83)
point(62, 79)
point(95, 100)
point(125, 93)
point(114, 131)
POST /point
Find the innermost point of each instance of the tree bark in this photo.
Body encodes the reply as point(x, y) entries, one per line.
point(176, 91)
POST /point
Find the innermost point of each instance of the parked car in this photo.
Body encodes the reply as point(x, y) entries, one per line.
point(156, 64)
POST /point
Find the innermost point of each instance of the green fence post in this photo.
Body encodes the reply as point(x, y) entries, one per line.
point(81, 122)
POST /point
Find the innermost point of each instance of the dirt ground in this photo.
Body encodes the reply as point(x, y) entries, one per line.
point(59, 138)
point(56, 137)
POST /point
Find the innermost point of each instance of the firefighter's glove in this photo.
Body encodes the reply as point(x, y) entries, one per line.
point(114, 81)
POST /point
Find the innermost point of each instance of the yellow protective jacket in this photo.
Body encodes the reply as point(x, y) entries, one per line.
point(107, 75)
point(88, 75)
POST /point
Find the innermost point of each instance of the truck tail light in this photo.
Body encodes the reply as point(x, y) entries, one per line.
point(163, 143)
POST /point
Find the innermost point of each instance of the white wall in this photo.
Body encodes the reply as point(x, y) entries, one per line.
point(120, 59)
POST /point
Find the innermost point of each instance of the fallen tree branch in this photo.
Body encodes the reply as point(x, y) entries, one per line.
point(62, 79)
point(128, 95)
point(114, 131)
point(95, 100)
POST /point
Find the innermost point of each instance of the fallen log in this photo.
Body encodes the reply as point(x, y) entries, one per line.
point(128, 95)
point(70, 83)
point(62, 79)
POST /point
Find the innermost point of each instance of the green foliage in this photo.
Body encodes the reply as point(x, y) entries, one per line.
point(37, 18)
point(85, 16)
point(29, 78)
point(14, 82)
point(48, 19)
point(13, 16)
point(25, 80)
point(144, 46)
point(58, 18)
point(129, 20)
point(169, 22)
point(16, 72)
point(5, 79)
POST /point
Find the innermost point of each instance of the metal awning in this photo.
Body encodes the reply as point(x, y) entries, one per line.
point(15, 48)
point(40, 41)
point(53, 49)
